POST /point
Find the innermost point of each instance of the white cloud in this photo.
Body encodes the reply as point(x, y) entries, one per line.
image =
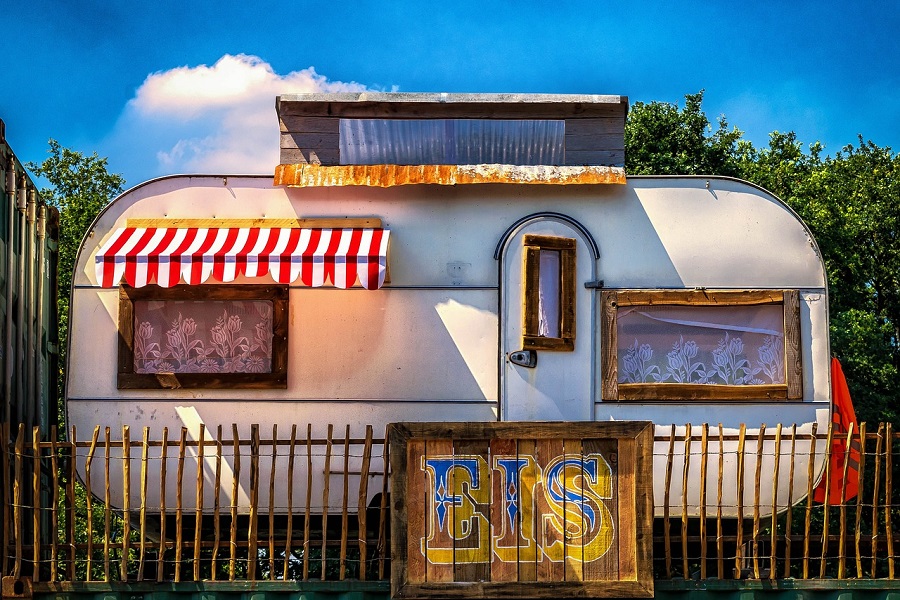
point(209, 119)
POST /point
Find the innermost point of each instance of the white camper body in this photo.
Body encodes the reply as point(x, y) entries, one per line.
point(434, 343)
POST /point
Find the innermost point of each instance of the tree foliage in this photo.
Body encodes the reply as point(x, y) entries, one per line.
point(661, 139)
point(81, 186)
point(850, 203)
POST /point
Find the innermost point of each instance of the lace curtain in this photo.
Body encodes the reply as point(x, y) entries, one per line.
point(228, 336)
point(725, 345)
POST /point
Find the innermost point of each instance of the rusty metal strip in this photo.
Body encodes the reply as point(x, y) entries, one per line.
point(304, 175)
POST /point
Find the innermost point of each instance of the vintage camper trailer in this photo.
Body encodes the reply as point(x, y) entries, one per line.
point(434, 257)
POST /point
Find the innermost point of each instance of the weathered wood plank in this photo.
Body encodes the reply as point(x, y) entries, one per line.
point(288, 536)
point(699, 297)
point(6, 523)
point(310, 156)
point(604, 142)
point(612, 158)
point(720, 543)
point(876, 480)
point(301, 124)
point(471, 524)
point(810, 481)
point(54, 506)
point(71, 478)
point(858, 524)
point(613, 126)
point(788, 521)
point(704, 460)
point(198, 503)
point(573, 523)
point(417, 525)
point(318, 141)
point(383, 541)
point(537, 430)
point(550, 565)
point(440, 517)
point(179, 504)
point(701, 391)
point(362, 503)
point(757, 481)
point(308, 508)
point(842, 543)
point(326, 498)
point(145, 458)
point(345, 500)
point(609, 303)
point(773, 525)
point(163, 543)
point(453, 109)
point(217, 506)
point(528, 524)
point(611, 497)
point(829, 451)
point(235, 489)
point(685, 481)
point(667, 494)
point(274, 458)
point(252, 537)
point(793, 356)
point(107, 513)
point(505, 510)
point(36, 503)
point(888, 495)
point(739, 554)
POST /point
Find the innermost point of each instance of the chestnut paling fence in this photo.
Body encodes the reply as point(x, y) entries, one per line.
point(186, 506)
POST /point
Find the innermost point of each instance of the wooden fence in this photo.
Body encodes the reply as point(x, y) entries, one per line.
point(291, 506)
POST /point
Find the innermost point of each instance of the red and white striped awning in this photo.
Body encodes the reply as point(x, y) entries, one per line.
point(316, 257)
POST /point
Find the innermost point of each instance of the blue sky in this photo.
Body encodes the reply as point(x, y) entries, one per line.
point(172, 87)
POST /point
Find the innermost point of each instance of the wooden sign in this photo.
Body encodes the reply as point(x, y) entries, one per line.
point(530, 510)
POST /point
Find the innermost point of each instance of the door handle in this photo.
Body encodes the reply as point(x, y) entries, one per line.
point(523, 358)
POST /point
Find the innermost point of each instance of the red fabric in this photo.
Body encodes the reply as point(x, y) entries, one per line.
point(843, 418)
point(315, 256)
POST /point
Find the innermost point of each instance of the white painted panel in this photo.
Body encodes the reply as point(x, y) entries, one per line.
point(347, 344)
point(652, 232)
point(558, 388)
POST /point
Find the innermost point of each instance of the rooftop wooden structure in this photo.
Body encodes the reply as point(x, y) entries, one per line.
point(593, 140)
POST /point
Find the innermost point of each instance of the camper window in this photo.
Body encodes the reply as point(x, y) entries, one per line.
point(549, 293)
point(714, 345)
point(209, 336)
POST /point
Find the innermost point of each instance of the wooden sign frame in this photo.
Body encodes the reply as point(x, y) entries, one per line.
point(626, 445)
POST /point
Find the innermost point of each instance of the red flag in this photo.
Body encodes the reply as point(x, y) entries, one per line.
point(843, 418)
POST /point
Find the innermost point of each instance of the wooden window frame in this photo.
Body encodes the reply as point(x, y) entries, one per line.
point(531, 340)
point(614, 391)
point(277, 378)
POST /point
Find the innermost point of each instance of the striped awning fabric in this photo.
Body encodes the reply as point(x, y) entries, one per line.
point(315, 257)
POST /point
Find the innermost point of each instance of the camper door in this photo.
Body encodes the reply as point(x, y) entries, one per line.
point(547, 336)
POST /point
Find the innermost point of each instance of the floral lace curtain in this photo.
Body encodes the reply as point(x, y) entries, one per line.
point(229, 336)
point(725, 345)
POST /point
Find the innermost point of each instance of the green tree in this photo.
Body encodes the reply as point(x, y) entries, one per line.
point(661, 139)
point(81, 186)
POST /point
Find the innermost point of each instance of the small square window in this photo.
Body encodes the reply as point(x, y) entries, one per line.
point(549, 293)
point(696, 345)
point(211, 336)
